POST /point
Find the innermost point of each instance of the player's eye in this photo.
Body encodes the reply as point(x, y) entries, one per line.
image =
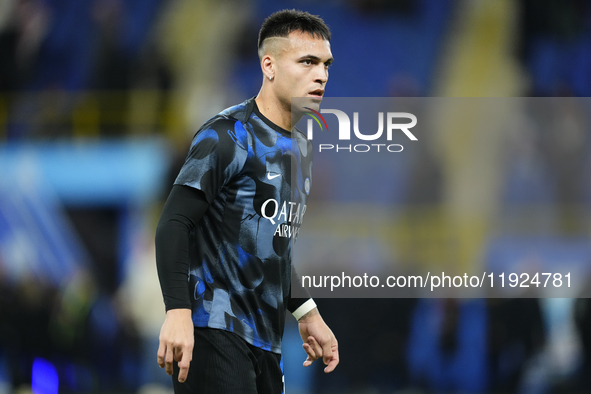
point(307, 62)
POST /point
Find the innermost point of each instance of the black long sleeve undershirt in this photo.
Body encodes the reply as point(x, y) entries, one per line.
point(183, 209)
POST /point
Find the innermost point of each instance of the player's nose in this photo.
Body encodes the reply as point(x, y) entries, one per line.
point(321, 75)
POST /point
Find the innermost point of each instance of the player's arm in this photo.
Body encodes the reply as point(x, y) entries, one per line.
point(184, 208)
point(319, 340)
point(217, 153)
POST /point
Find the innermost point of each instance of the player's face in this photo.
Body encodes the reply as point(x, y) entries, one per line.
point(302, 68)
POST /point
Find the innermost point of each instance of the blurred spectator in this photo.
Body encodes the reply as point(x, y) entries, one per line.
point(555, 45)
point(583, 324)
point(516, 334)
point(113, 67)
point(562, 21)
point(566, 145)
point(98, 229)
point(20, 41)
point(447, 346)
point(24, 328)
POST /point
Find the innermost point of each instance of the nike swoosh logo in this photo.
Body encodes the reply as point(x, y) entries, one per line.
point(269, 176)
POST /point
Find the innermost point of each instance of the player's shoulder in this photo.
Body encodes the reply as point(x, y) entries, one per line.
point(231, 122)
point(220, 124)
point(237, 115)
point(240, 112)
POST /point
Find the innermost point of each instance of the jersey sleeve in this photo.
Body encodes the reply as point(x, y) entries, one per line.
point(218, 152)
point(184, 208)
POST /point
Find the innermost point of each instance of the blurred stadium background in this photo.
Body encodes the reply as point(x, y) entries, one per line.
point(99, 100)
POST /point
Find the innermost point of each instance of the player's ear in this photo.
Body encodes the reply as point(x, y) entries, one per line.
point(268, 66)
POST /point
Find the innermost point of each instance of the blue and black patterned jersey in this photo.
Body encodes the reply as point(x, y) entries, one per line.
point(256, 178)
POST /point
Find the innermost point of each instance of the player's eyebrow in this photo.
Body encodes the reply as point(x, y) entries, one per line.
point(316, 58)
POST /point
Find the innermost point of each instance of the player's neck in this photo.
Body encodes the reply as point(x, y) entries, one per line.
point(273, 111)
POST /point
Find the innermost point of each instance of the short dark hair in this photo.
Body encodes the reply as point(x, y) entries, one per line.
point(281, 23)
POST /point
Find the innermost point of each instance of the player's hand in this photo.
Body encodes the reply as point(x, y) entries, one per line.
point(319, 341)
point(176, 342)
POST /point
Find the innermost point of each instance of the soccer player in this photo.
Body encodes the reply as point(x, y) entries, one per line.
point(223, 243)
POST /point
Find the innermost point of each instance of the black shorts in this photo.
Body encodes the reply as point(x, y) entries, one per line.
point(224, 363)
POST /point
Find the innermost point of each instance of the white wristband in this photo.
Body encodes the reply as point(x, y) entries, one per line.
point(304, 308)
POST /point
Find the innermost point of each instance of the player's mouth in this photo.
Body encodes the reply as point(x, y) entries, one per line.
point(318, 93)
